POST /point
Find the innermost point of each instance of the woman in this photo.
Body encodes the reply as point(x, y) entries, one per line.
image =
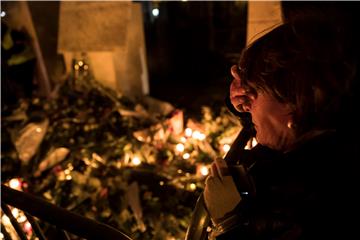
point(294, 85)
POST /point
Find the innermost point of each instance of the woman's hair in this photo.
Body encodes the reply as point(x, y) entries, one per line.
point(306, 66)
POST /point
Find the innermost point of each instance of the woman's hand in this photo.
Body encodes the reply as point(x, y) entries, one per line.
point(240, 95)
point(220, 194)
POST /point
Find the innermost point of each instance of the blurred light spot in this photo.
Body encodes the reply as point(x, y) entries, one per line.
point(21, 219)
point(136, 161)
point(3, 13)
point(15, 212)
point(202, 136)
point(196, 135)
point(5, 220)
point(27, 227)
point(15, 183)
point(155, 12)
point(186, 156)
point(254, 142)
point(204, 171)
point(180, 147)
point(188, 132)
point(226, 147)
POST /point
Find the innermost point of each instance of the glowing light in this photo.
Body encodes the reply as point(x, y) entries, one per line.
point(161, 183)
point(183, 139)
point(70, 166)
point(186, 156)
point(204, 171)
point(254, 142)
point(15, 212)
point(86, 67)
point(202, 136)
point(68, 177)
point(15, 183)
point(27, 227)
point(180, 147)
point(76, 67)
point(67, 171)
point(5, 220)
point(196, 134)
point(226, 147)
point(179, 171)
point(188, 132)
point(155, 12)
point(136, 161)
point(80, 63)
point(39, 130)
point(192, 186)
point(21, 219)
point(3, 14)
point(184, 0)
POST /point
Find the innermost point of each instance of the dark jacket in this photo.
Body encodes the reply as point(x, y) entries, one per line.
point(307, 193)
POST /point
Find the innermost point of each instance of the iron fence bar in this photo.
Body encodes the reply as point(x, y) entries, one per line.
point(65, 235)
point(57, 216)
point(38, 232)
point(13, 221)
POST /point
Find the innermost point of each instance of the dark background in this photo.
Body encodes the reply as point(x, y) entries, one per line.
point(190, 49)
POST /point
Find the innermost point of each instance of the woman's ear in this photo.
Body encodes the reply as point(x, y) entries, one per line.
point(249, 101)
point(291, 122)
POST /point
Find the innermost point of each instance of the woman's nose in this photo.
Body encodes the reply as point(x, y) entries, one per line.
point(235, 72)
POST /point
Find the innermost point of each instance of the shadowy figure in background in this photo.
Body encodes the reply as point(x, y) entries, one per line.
point(17, 65)
point(297, 82)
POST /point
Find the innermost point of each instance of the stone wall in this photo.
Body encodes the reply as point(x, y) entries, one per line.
point(111, 35)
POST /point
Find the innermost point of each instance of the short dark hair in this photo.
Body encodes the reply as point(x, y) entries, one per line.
point(305, 66)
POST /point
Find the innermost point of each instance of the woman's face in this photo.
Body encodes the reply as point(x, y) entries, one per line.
point(270, 117)
point(271, 120)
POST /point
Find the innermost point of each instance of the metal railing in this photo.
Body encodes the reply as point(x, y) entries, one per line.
point(34, 206)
